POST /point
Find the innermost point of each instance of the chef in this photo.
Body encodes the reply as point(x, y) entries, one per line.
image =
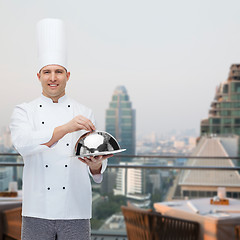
point(56, 186)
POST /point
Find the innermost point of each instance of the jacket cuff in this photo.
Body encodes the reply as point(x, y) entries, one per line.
point(99, 177)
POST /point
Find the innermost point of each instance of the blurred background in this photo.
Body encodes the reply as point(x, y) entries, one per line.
point(163, 77)
point(169, 55)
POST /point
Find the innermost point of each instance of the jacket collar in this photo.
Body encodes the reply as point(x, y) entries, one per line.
point(49, 100)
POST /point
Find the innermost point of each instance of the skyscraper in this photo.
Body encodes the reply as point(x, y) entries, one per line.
point(121, 121)
point(224, 115)
point(219, 138)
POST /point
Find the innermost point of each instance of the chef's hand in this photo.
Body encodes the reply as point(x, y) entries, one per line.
point(95, 163)
point(76, 124)
point(79, 123)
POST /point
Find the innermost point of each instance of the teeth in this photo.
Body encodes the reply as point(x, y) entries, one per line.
point(53, 85)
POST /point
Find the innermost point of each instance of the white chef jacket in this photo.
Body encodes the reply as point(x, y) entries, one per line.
point(56, 185)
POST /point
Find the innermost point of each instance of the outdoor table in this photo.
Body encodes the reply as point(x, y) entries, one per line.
point(217, 222)
point(7, 203)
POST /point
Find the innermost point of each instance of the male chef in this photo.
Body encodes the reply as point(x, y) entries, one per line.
point(56, 186)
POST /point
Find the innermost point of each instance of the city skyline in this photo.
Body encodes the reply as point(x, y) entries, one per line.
point(170, 56)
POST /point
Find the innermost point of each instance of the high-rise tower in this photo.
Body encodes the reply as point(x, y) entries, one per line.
point(224, 115)
point(219, 138)
point(121, 121)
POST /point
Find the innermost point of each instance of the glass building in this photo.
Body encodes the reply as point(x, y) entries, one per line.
point(121, 120)
point(224, 114)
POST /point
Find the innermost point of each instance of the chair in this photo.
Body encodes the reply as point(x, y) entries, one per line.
point(147, 225)
point(237, 232)
point(12, 224)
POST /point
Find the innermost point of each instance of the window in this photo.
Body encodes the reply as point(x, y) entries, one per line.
point(225, 88)
point(125, 104)
point(237, 120)
point(113, 105)
point(225, 105)
point(186, 193)
point(235, 97)
point(226, 121)
point(114, 97)
point(236, 113)
point(193, 193)
point(226, 130)
point(236, 105)
point(124, 97)
point(209, 194)
point(127, 120)
point(110, 121)
point(236, 130)
point(202, 194)
point(127, 112)
point(111, 112)
point(225, 113)
point(215, 120)
point(225, 97)
point(215, 129)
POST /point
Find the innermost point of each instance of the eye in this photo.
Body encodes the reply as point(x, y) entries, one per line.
point(46, 72)
point(59, 71)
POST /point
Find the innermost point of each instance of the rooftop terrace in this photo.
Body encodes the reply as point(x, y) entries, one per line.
point(160, 178)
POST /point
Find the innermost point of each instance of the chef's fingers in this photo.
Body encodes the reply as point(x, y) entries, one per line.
point(82, 160)
point(84, 127)
point(93, 159)
point(98, 158)
point(86, 123)
point(103, 157)
point(86, 160)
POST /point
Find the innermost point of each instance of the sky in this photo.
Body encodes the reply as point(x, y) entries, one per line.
point(170, 55)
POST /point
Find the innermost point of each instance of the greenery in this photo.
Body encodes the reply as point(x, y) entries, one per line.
point(109, 206)
point(96, 224)
point(106, 208)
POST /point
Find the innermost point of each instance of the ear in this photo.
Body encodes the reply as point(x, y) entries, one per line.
point(38, 75)
point(68, 75)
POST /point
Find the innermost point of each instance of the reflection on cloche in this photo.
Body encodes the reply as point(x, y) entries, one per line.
point(97, 143)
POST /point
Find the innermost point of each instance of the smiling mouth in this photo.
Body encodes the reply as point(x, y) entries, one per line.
point(53, 85)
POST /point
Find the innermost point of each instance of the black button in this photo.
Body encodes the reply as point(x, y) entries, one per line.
point(40, 105)
point(48, 188)
point(46, 165)
point(66, 165)
point(42, 122)
point(67, 144)
point(63, 187)
point(69, 106)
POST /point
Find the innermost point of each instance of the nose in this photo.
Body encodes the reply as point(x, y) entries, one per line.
point(53, 77)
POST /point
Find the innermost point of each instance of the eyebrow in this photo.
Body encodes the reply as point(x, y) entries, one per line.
point(45, 70)
point(58, 69)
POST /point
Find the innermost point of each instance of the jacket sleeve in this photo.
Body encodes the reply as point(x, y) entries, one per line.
point(26, 140)
point(97, 178)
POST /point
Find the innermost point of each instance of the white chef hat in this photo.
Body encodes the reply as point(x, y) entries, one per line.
point(51, 42)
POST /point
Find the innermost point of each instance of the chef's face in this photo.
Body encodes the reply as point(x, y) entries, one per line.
point(53, 79)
